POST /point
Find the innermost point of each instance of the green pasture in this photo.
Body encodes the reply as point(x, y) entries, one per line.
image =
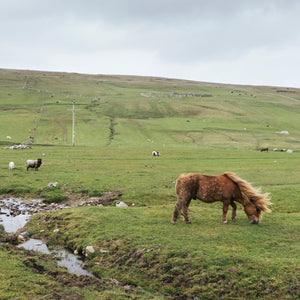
point(197, 127)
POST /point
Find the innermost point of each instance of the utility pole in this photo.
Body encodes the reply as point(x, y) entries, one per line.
point(73, 123)
point(73, 127)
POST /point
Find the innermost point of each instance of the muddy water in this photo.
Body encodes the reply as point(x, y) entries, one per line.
point(14, 214)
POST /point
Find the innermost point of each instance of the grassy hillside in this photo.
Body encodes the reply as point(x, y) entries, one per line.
point(198, 127)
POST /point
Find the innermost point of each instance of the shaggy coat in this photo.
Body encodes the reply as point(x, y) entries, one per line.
point(33, 164)
point(226, 188)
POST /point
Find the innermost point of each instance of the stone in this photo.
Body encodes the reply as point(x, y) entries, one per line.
point(89, 249)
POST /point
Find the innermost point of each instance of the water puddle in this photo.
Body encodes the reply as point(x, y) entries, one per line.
point(14, 215)
point(64, 258)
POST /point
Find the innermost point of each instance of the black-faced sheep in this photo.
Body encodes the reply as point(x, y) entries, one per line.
point(33, 164)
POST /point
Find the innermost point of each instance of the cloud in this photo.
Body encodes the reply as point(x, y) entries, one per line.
point(173, 35)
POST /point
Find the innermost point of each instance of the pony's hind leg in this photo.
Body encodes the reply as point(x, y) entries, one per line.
point(181, 205)
point(233, 215)
point(185, 213)
point(176, 212)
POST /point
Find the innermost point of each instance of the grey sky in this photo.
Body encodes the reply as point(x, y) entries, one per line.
point(232, 41)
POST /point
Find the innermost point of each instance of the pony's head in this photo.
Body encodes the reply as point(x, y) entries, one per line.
point(254, 210)
point(253, 213)
point(253, 201)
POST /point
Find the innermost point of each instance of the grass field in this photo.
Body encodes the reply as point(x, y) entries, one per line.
point(197, 127)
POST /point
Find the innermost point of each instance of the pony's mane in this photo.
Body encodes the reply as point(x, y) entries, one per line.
point(251, 194)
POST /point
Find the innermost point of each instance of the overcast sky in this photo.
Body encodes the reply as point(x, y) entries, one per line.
point(253, 42)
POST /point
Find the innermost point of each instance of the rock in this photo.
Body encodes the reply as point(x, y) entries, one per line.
point(121, 204)
point(282, 132)
point(115, 281)
point(103, 251)
point(18, 147)
point(52, 184)
point(20, 239)
point(89, 249)
point(25, 234)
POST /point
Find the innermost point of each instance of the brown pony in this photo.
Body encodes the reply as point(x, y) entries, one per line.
point(226, 188)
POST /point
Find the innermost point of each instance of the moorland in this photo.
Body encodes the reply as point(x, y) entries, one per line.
point(200, 127)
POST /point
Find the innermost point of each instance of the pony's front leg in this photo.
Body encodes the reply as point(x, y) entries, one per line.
point(233, 216)
point(225, 210)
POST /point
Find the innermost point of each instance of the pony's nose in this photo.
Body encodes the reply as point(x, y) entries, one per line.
point(254, 221)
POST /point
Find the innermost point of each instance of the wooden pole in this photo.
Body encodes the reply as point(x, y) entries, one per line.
point(73, 123)
point(73, 127)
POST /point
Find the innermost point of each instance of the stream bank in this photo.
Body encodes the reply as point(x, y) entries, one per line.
point(15, 213)
point(39, 259)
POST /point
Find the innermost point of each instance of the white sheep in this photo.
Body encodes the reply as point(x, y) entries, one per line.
point(33, 164)
point(11, 165)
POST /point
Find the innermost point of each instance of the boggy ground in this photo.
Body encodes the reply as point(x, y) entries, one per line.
point(42, 277)
point(54, 282)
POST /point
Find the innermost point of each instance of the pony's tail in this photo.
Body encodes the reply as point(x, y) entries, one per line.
point(250, 194)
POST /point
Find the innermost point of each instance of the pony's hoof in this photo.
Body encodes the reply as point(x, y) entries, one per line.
point(225, 222)
point(173, 222)
point(188, 222)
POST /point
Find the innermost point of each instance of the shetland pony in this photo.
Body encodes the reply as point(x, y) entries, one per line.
point(226, 188)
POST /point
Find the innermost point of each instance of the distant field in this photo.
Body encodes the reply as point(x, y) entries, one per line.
point(197, 127)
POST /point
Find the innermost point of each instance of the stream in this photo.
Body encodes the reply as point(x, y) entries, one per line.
point(14, 214)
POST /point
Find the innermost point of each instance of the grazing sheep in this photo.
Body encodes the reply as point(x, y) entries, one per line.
point(33, 164)
point(155, 153)
point(11, 165)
